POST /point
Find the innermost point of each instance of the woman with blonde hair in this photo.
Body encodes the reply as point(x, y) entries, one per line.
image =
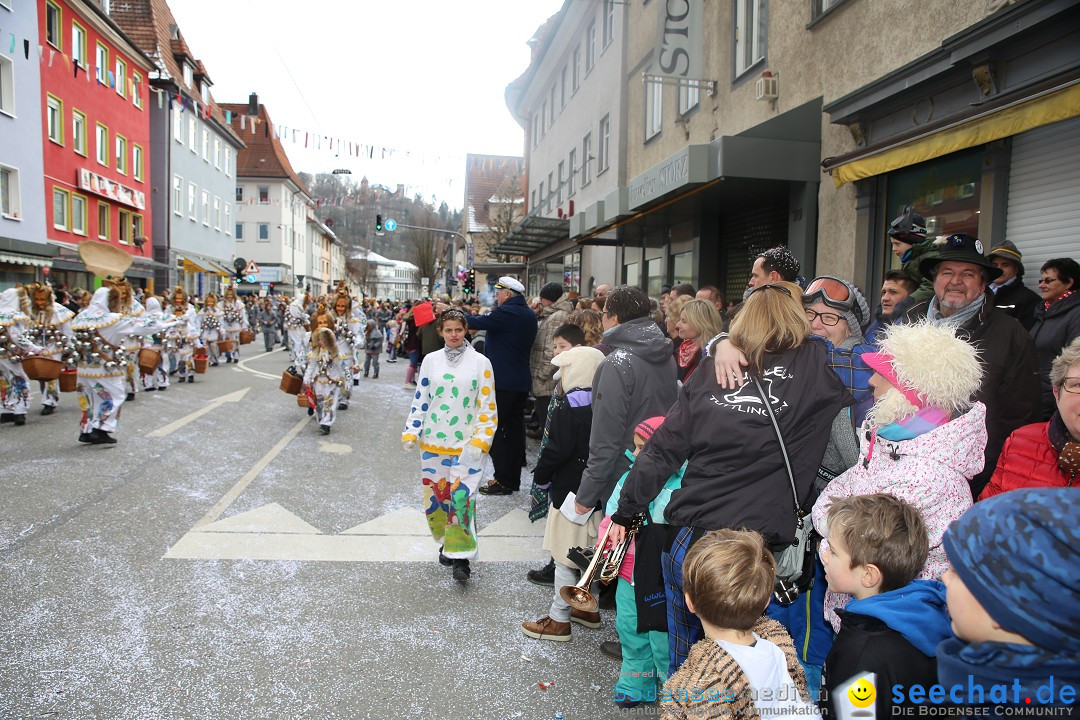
point(730, 434)
point(698, 323)
point(673, 312)
point(591, 323)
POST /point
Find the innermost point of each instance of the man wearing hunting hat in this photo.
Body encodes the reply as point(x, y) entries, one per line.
point(1010, 294)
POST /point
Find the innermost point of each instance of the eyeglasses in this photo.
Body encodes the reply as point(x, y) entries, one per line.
point(834, 293)
point(1071, 385)
point(827, 319)
point(772, 287)
point(1048, 280)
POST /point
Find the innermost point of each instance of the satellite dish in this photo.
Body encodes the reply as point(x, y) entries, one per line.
point(239, 263)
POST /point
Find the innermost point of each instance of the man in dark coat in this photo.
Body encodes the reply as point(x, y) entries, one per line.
point(511, 330)
point(1010, 382)
point(1010, 293)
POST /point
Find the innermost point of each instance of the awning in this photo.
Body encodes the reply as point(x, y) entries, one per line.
point(218, 269)
point(533, 233)
point(12, 258)
point(1049, 107)
point(191, 266)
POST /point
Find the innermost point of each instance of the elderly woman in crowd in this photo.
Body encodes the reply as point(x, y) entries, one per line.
point(1046, 454)
point(1057, 319)
point(729, 434)
point(924, 437)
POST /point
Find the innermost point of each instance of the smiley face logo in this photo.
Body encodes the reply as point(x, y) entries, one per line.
point(861, 693)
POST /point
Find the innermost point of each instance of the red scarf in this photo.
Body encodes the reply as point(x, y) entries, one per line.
point(689, 354)
point(1048, 303)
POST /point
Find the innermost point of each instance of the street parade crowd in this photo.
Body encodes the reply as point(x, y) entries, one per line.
point(797, 503)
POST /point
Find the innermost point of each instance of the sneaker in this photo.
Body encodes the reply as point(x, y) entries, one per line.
point(612, 648)
point(586, 619)
point(48, 409)
point(543, 576)
point(19, 420)
point(324, 429)
point(85, 437)
point(130, 397)
point(547, 629)
point(7, 417)
point(443, 560)
point(496, 488)
point(462, 571)
point(191, 378)
point(342, 405)
point(100, 437)
point(375, 376)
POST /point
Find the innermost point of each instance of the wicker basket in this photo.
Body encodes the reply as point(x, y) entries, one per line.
point(247, 337)
point(302, 401)
point(290, 383)
point(201, 361)
point(149, 359)
point(42, 368)
point(69, 380)
point(226, 346)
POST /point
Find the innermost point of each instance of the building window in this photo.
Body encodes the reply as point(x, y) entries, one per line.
point(102, 220)
point(553, 108)
point(543, 118)
point(590, 48)
point(177, 194)
point(562, 89)
point(121, 78)
point(178, 125)
point(228, 218)
point(689, 97)
point(575, 70)
point(609, 22)
point(136, 226)
point(228, 162)
point(239, 193)
point(217, 214)
point(61, 198)
point(574, 173)
point(121, 155)
point(750, 28)
point(78, 44)
point(10, 197)
point(206, 208)
point(217, 153)
point(123, 225)
point(189, 75)
point(136, 162)
point(239, 232)
point(102, 144)
point(551, 191)
point(191, 200)
point(78, 214)
point(820, 7)
point(52, 25)
point(7, 85)
point(204, 91)
point(206, 144)
point(191, 133)
point(543, 198)
point(586, 159)
point(102, 60)
point(654, 108)
point(562, 179)
point(55, 110)
point(533, 203)
point(264, 231)
point(264, 195)
point(78, 132)
point(136, 90)
point(603, 145)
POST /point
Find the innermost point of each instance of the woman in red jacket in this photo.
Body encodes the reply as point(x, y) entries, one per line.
point(1046, 454)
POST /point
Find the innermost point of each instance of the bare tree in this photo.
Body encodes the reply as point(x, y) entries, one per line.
point(505, 209)
point(365, 273)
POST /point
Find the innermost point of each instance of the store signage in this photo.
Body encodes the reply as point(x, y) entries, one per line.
point(679, 39)
point(687, 166)
point(103, 186)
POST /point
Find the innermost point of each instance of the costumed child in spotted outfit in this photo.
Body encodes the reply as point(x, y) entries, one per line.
point(50, 327)
point(211, 320)
point(159, 379)
point(14, 346)
point(324, 376)
point(453, 418)
point(234, 318)
point(183, 335)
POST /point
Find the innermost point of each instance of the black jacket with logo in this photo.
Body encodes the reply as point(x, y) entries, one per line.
point(735, 476)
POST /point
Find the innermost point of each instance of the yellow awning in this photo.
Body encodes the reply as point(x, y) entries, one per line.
point(1049, 108)
point(189, 266)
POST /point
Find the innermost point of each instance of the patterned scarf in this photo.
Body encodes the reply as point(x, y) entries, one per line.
point(1048, 303)
point(453, 355)
point(912, 426)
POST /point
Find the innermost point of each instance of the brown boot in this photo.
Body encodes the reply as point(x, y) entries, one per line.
point(588, 619)
point(547, 629)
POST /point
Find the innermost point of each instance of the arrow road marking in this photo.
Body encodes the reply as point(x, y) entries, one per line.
point(212, 405)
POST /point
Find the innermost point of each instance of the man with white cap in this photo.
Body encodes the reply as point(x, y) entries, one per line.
point(511, 330)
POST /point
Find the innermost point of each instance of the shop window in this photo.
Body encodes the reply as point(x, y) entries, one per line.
point(654, 278)
point(632, 274)
point(682, 268)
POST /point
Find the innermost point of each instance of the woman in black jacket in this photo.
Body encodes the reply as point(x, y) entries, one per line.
point(1057, 320)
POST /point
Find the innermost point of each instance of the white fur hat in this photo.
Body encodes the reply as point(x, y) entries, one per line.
point(578, 366)
point(931, 361)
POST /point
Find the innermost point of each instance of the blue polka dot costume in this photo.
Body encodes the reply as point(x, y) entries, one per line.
point(453, 420)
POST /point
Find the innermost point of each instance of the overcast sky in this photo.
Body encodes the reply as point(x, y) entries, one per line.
point(423, 76)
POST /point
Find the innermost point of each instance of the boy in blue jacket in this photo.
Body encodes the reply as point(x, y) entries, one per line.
point(893, 625)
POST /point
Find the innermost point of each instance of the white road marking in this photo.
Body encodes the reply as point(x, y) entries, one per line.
point(221, 505)
point(270, 518)
point(212, 405)
point(243, 364)
point(334, 448)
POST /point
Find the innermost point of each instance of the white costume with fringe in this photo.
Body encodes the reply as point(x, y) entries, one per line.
point(51, 329)
point(159, 379)
point(14, 344)
point(212, 324)
point(234, 319)
point(295, 320)
point(181, 338)
point(325, 377)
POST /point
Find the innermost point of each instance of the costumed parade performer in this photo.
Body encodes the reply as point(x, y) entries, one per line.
point(234, 319)
point(181, 338)
point(50, 327)
point(324, 376)
point(296, 325)
point(129, 307)
point(14, 346)
point(159, 379)
point(453, 418)
point(211, 321)
point(346, 332)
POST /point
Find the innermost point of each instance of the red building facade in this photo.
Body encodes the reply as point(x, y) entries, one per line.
point(96, 127)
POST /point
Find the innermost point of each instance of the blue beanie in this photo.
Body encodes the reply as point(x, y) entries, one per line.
point(1019, 555)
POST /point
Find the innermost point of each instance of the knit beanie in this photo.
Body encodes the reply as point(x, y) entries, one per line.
point(551, 292)
point(646, 428)
point(1018, 553)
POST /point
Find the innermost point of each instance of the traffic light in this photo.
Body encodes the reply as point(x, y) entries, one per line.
point(271, 287)
point(378, 223)
point(470, 282)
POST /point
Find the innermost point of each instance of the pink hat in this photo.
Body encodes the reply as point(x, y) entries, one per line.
point(882, 363)
point(646, 428)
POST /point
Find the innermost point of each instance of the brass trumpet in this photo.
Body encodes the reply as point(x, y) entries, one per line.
point(605, 560)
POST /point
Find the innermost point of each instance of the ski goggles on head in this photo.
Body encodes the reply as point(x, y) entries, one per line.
point(834, 293)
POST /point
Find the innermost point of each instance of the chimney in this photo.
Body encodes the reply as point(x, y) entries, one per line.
point(253, 104)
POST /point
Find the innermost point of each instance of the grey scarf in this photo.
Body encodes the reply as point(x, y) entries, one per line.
point(453, 355)
point(958, 318)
